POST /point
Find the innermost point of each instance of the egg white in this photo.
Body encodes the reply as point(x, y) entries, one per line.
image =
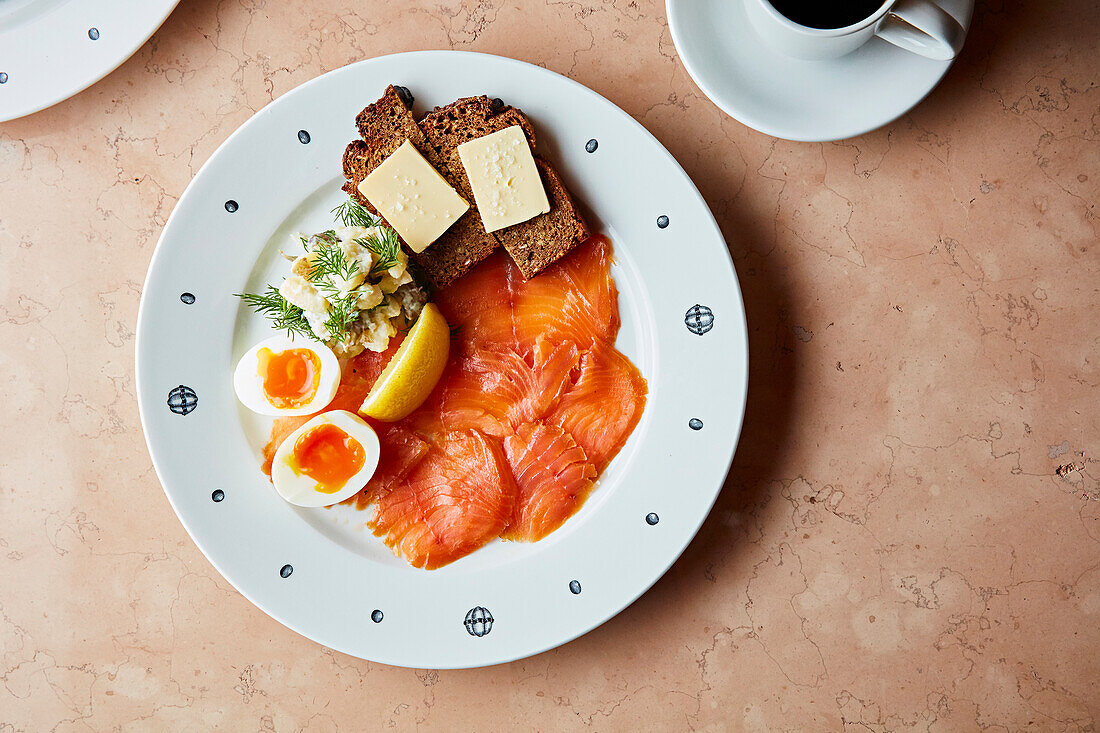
point(249, 385)
point(301, 490)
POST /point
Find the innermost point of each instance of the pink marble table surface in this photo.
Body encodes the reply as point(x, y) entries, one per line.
point(910, 534)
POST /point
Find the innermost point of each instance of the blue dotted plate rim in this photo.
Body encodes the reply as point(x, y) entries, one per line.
point(105, 34)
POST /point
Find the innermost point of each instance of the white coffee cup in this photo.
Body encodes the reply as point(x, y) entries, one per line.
point(919, 26)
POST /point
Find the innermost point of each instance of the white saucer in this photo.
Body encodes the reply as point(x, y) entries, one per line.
point(791, 98)
point(52, 49)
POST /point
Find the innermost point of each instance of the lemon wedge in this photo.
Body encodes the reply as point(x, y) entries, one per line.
point(413, 371)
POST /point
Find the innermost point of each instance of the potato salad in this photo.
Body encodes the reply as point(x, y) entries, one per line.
point(348, 287)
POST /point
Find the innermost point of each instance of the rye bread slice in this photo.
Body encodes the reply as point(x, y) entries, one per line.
point(466, 119)
point(537, 243)
point(384, 125)
point(356, 168)
point(387, 123)
point(533, 244)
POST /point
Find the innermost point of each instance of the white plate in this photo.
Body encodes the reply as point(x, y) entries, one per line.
point(793, 98)
point(339, 577)
point(52, 49)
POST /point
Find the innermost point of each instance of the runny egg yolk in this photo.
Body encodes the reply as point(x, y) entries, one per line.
point(329, 456)
point(290, 377)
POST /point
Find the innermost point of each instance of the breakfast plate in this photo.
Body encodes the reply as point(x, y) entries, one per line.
point(317, 570)
point(52, 49)
point(797, 99)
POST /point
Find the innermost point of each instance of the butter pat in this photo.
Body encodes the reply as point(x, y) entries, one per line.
point(502, 173)
point(417, 202)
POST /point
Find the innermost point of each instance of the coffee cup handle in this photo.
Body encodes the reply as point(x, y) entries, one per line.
point(922, 27)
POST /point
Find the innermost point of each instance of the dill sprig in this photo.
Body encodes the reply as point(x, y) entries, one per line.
point(342, 314)
point(351, 213)
point(284, 316)
point(328, 264)
point(386, 247)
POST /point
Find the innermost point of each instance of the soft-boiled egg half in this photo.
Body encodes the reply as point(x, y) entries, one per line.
point(325, 461)
point(287, 377)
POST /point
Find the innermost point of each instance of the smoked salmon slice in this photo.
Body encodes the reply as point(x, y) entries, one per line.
point(603, 406)
point(459, 497)
point(479, 305)
point(401, 450)
point(573, 300)
point(589, 271)
point(553, 478)
point(496, 390)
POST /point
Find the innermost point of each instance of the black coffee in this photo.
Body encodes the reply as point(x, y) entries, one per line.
point(826, 13)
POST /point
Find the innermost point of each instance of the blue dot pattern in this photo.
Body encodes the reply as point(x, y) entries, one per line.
point(218, 495)
point(652, 519)
point(187, 298)
point(93, 33)
point(662, 221)
point(3, 77)
point(285, 571)
point(303, 137)
point(591, 145)
point(231, 206)
point(575, 587)
point(695, 423)
point(376, 616)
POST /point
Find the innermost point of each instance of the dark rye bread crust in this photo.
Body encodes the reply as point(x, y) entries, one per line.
point(533, 245)
point(384, 126)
